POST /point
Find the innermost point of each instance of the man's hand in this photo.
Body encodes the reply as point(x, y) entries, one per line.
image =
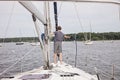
point(67, 36)
point(52, 34)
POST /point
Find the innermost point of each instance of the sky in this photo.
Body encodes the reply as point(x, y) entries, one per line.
point(16, 21)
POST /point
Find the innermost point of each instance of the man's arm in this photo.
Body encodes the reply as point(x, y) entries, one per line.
point(66, 36)
point(52, 34)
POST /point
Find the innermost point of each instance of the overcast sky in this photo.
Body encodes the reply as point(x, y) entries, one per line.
point(16, 21)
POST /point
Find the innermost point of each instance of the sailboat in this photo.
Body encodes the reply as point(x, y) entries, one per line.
point(88, 41)
point(20, 41)
point(52, 71)
point(35, 43)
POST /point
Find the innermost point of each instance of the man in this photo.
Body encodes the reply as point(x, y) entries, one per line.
point(59, 36)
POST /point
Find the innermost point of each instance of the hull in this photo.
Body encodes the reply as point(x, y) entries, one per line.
point(35, 44)
point(19, 43)
point(88, 42)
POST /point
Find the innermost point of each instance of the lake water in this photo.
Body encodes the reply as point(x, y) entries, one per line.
point(102, 55)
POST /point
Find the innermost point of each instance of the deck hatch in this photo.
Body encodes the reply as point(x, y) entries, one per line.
point(35, 76)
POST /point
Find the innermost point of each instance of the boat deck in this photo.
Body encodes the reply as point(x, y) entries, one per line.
point(57, 72)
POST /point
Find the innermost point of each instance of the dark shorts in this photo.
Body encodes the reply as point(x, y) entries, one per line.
point(57, 47)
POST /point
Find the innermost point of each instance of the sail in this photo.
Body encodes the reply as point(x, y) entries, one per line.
point(30, 7)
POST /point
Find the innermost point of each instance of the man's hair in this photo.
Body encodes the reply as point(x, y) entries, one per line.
point(59, 28)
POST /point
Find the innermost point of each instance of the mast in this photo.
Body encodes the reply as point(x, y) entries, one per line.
point(47, 32)
point(55, 14)
point(90, 30)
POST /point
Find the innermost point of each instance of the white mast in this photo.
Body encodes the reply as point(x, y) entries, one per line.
point(47, 32)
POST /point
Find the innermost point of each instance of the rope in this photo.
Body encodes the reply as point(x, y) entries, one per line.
point(105, 62)
point(17, 61)
point(80, 23)
point(8, 22)
point(104, 73)
point(76, 51)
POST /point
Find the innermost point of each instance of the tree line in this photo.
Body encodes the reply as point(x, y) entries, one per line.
point(74, 36)
point(95, 36)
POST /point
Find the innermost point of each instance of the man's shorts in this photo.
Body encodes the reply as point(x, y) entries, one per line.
point(57, 47)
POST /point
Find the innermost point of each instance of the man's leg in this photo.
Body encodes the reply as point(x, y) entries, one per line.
point(60, 56)
point(55, 52)
point(55, 56)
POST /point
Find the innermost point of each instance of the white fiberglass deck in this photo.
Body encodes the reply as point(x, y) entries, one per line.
point(58, 72)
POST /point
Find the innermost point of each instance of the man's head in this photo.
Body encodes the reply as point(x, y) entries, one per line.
point(59, 28)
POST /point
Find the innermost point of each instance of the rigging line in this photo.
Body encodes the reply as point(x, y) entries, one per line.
point(17, 61)
point(119, 13)
point(103, 73)
point(79, 19)
point(97, 70)
point(9, 19)
point(104, 62)
point(108, 75)
point(76, 50)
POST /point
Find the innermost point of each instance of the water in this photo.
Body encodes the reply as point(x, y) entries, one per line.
point(102, 55)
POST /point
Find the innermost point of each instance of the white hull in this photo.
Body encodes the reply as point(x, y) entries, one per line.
point(88, 42)
point(58, 72)
point(35, 44)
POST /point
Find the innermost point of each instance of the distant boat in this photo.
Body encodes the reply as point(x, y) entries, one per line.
point(20, 39)
point(88, 41)
point(35, 44)
point(19, 43)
